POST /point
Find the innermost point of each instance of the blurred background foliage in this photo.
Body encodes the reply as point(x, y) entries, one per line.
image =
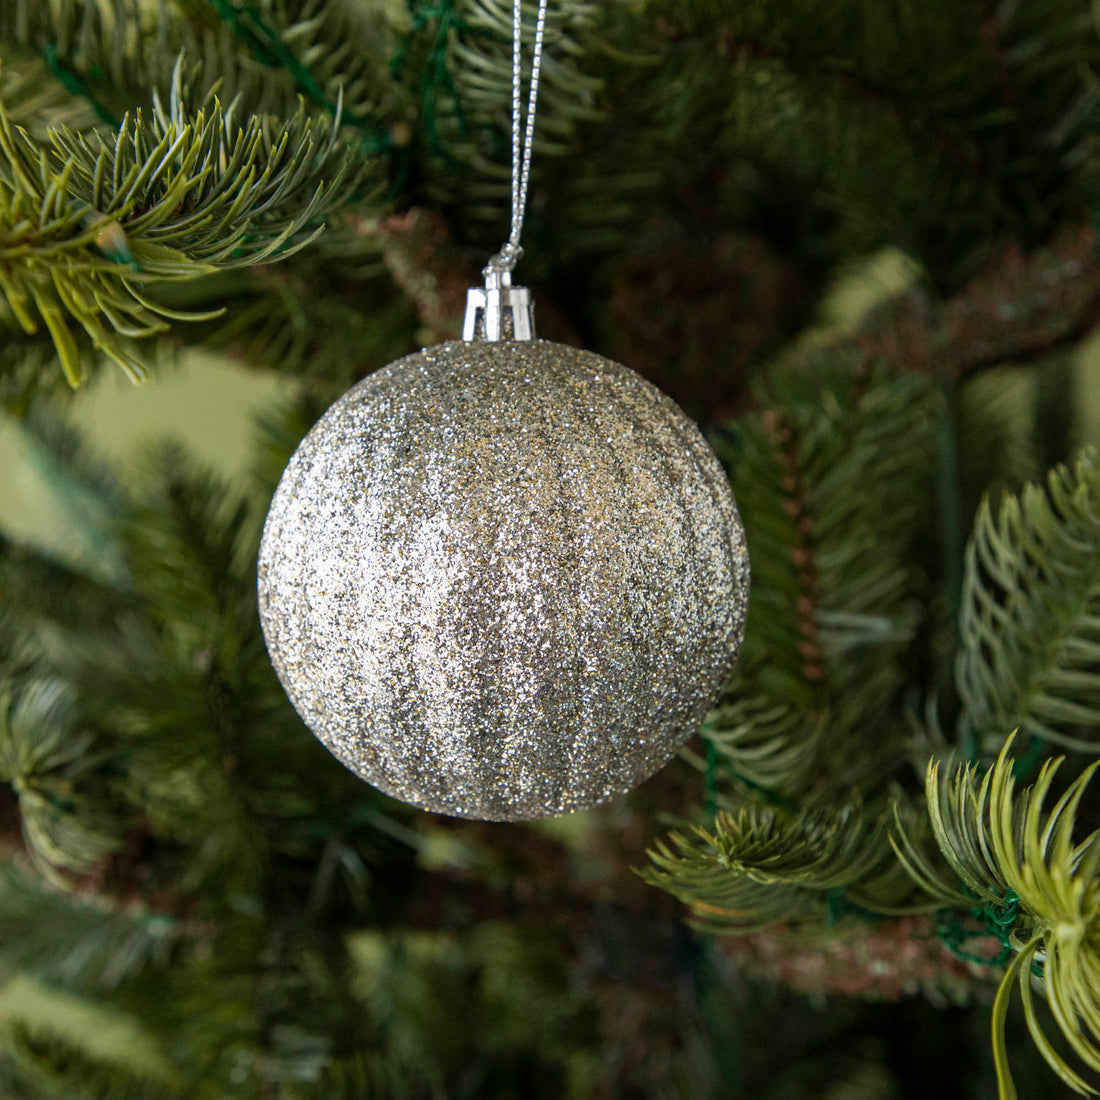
point(857, 242)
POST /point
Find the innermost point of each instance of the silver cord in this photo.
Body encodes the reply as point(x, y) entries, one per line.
point(511, 251)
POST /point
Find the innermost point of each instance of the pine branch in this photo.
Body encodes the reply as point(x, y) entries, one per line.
point(50, 1066)
point(103, 36)
point(461, 51)
point(819, 477)
point(88, 221)
point(36, 101)
point(48, 762)
point(206, 768)
point(339, 55)
point(887, 960)
point(425, 263)
point(1031, 614)
point(765, 865)
point(266, 54)
point(786, 447)
point(814, 117)
point(28, 365)
point(1001, 846)
point(301, 317)
point(830, 76)
point(78, 941)
point(766, 744)
point(368, 1073)
point(1020, 308)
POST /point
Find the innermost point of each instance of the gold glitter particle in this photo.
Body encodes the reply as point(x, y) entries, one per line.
point(503, 580)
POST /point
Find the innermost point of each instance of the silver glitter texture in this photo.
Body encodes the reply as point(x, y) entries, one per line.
point(503, 580)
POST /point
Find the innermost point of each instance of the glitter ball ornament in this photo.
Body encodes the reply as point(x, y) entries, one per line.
point(503, 580)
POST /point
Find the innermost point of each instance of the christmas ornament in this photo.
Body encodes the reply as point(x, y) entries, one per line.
point(503, 578)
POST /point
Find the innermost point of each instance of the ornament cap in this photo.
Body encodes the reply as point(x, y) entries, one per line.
point(499, 311)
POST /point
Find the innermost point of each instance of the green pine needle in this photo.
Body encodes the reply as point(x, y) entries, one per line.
point(767, 743)
point(44, 757)
point(1031, 613)
point(764, 864)
point(89, 224)
point(1000, 844)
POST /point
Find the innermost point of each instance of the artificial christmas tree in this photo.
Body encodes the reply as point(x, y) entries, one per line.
point(308, 188)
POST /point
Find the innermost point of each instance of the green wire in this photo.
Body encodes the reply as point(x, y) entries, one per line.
point(246, 20)
point(247, 23)
point(436, 73)
point(997, 920)
point(75, 84)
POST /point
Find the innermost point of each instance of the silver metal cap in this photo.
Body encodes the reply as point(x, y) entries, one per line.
point(499, 311)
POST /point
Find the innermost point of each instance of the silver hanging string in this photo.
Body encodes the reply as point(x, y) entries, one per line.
point(500, 311)
point(511, 251)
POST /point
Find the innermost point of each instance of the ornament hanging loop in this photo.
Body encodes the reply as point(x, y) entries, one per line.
point(505, 260)
point(500, 311)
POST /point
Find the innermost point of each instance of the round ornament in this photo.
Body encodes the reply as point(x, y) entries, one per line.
point(503, 579)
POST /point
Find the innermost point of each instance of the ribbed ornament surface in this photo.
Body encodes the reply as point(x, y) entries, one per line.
point(503, 580)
